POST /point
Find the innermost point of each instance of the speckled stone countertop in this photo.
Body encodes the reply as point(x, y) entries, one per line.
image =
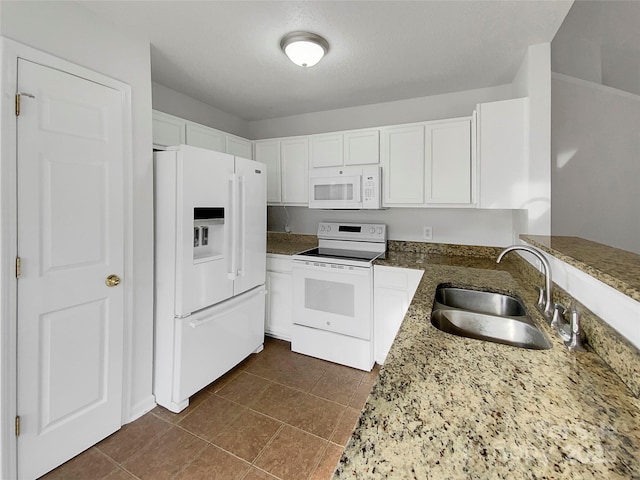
point(447, 407)
point(289, 243)
point(617, 268)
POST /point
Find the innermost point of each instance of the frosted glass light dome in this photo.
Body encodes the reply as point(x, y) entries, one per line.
point(303, 48)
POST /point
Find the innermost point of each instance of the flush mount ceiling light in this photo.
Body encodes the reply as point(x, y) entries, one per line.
point(303, 48)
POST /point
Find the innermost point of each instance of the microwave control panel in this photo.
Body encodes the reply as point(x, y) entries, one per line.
point(371, 195)
point(369, 189)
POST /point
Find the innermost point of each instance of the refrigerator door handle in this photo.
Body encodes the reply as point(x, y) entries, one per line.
point(242, 194)
point(231, 275)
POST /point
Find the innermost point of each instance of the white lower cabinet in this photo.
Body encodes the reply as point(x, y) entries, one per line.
point(393, 290)
point(279, 318)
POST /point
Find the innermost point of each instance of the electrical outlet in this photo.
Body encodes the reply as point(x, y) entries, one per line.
point(427, 233)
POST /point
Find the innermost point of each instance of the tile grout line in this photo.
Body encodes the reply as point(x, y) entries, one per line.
point(118, 465)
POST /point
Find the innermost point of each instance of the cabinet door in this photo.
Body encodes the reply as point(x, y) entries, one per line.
point(326, 150)
point(502, 153)
point(394, 289)
point(294, 156)
point(205, 137)
point(448, 162)
point(268, 152)
point(403, 165)
point(279, 317)
point(167, 129)
point(390, 307)
point(239, 147)
point(362, 147)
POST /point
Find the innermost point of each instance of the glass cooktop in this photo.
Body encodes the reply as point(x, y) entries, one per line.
point(339, 253)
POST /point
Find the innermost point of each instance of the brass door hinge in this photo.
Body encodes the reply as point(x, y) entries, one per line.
point(18, 267)
point(18, 97)
point(17, 426)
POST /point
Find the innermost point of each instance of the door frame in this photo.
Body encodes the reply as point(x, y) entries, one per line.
point(10, 51)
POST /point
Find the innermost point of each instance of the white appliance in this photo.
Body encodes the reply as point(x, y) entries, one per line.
point(333, 294)
point(352, 187)
point(210, 264)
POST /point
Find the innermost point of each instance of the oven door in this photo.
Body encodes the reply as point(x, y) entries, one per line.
point(335, 192)
point(335, 298)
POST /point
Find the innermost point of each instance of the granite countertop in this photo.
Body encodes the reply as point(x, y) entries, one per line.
point(617, 268)
point(448, 407)
point(451, 407)
point(289, 244)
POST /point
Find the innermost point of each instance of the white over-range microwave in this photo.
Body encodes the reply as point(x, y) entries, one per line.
point(351, 187)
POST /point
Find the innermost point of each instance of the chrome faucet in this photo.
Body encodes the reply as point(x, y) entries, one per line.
point(545, 300)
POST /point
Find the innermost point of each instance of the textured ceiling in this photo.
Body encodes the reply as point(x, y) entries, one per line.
point(227, 54)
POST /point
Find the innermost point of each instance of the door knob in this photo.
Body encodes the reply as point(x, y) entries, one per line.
point(112, 280)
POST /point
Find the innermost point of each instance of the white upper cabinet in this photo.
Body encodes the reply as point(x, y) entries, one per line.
point(205, 137)
point(357, 147)
point(239, 147)
point(502, 142)
point(448, 162)
point(167, 129)
point(327, 150)
point(294, 154)
point(402, 153)
point(170, 130)
point(362, 147)
point(428, 164)
point(268, 152)
point(287, 163)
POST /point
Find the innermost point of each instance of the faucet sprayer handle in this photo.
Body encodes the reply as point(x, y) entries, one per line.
point(557, 321)
point(575, 341)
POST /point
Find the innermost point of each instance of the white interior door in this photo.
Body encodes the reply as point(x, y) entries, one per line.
point(70, 239)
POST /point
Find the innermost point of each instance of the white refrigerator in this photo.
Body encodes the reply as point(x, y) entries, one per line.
point(210, 263)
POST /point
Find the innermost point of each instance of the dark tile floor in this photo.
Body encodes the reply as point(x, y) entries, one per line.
point(278, 415)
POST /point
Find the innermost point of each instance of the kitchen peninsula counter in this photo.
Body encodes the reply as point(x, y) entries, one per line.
point(448, 407)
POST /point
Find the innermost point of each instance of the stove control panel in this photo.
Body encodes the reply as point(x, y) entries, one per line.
point(362, 232)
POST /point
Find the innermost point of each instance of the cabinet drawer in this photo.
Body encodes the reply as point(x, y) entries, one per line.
point(391, 277)
point(278, 263)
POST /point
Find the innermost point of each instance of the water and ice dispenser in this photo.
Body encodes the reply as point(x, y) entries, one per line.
point(208, 233)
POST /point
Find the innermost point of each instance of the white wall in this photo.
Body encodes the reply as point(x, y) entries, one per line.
point(534, 80)
point(596, 163)
point(596, 128)
point(70, 31)
point(459, 226)
point(599, 41)
point(436, 107)
point(175, 103)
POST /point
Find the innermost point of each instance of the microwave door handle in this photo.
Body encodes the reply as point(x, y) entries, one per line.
point(357, 195)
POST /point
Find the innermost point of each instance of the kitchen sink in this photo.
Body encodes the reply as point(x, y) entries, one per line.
point(489, 316)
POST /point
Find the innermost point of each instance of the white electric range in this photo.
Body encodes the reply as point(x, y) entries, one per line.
point(333, 294)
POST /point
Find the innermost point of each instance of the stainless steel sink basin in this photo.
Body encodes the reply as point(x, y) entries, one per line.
point(482, 302)
point(489, 316)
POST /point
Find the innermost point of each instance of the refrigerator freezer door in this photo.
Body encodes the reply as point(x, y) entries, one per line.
point(251, 224)
point(204, 180)
point(213, 341)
